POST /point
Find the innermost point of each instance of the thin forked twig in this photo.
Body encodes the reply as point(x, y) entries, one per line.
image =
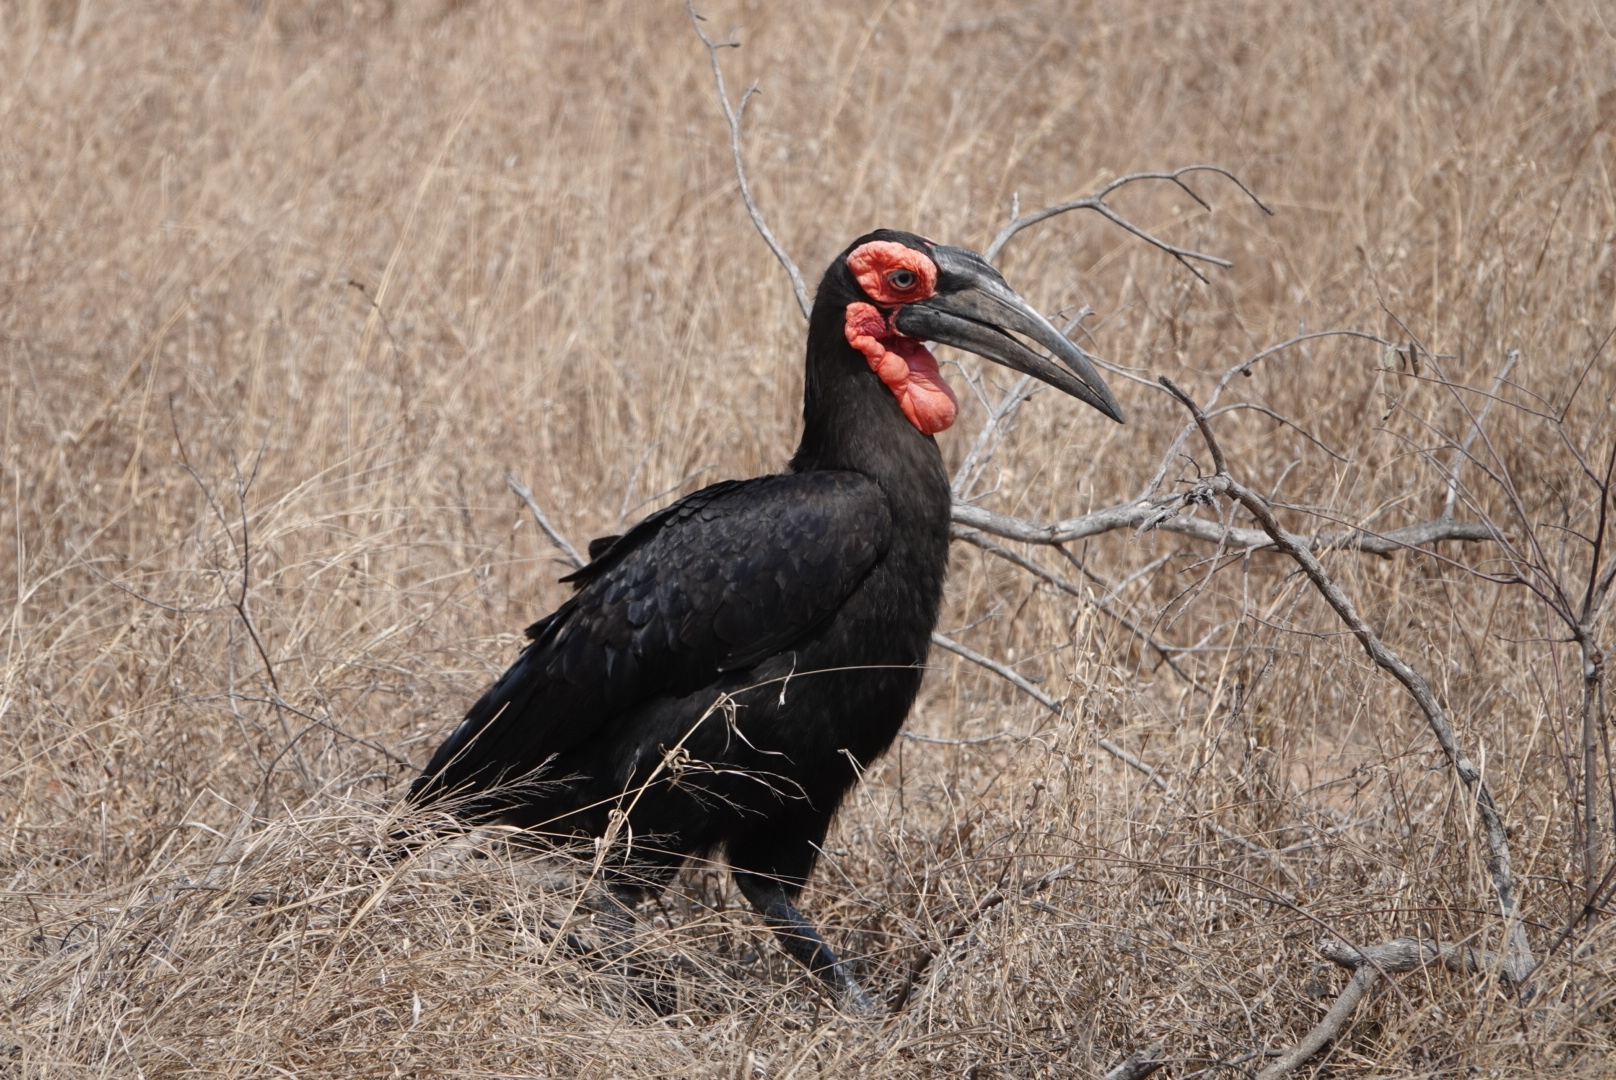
point(1144, 635)
point(1096, 202)
point(733, 116)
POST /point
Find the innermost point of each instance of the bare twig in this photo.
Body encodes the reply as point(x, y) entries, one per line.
point(566, 549)
point(981, 451)
point(1579, 604)
point(244, 551)
point(1021, 391)
point(239, 600)
point(1244, 369)
point(1164, 651)
point(330, 725)
point(967, 926)
point(144, 599)
point(1518, 950)
point(1152, 513)
point(1474, 429)
point(1097, 203)
point(733, 116)
point(1020, 682)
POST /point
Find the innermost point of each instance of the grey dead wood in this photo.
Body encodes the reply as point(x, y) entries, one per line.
point(1369, 966)
point(1145, 512)
point(1515, 963)
point(1139, 1064)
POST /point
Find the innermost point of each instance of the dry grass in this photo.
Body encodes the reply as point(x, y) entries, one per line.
point(367, 256)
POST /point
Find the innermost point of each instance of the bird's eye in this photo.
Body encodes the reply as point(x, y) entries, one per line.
point(902, 279)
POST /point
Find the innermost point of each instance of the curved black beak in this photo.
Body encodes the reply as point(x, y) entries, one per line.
point(976, 311)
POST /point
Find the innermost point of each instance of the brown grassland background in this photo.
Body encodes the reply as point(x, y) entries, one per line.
point(286, 287)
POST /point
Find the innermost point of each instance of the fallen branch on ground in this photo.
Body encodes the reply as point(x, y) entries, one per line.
point(1370, 965)
point(1139, 1064)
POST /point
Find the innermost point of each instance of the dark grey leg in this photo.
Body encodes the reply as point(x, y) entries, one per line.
point(617, 921)
point(773, 901)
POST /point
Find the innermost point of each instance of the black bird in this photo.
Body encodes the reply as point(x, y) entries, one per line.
point(729, 665)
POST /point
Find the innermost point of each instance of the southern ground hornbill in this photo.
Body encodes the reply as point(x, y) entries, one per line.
point(770, 632)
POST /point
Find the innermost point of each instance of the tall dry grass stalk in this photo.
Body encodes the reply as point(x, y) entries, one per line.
point(286, 287)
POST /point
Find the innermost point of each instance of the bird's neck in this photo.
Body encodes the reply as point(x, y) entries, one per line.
point(852, 421)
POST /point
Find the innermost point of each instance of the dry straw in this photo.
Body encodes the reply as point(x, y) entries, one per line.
point(288, 288)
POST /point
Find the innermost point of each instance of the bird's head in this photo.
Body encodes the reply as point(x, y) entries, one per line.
point(900, 290)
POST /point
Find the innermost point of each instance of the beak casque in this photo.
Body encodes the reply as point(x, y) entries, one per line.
point(975, 310)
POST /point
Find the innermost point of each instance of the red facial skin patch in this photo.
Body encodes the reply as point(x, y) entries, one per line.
point(905, 365)
point(875, 263)
point(892, 274)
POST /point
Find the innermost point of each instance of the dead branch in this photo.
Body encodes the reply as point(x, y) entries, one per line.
point(1369, 966)
point(1244, 369)
point(971, 536)
point(1363, 981)
point(1579, 603)
point(992, 430)
point(733, 116)
point(966, 929)
point(975, 457)
point(1139, 1064)
point(1463, 449)
point(1518, 950)
point(1161, 513)
point(1022, 683)
point(1407, 953)
point(1096, 202)
point(555, 537)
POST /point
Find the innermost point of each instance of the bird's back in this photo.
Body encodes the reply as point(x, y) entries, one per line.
point(771, 599)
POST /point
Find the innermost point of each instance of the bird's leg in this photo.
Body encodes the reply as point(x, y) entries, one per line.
point(617, 921)
point(772, 900)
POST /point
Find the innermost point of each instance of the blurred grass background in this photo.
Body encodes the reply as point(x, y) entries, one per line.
point(286, 287)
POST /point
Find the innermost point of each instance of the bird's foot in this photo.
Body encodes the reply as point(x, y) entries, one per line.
point(852, 999)
point(801, 940)
point(649, 991)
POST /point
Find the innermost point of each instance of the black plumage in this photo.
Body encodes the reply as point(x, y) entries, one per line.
point(773, 629)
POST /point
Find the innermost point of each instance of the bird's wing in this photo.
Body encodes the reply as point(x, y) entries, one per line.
point(718, 581)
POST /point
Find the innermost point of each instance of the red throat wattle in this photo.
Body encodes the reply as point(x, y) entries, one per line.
point(906, 366)
point(892, 274)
